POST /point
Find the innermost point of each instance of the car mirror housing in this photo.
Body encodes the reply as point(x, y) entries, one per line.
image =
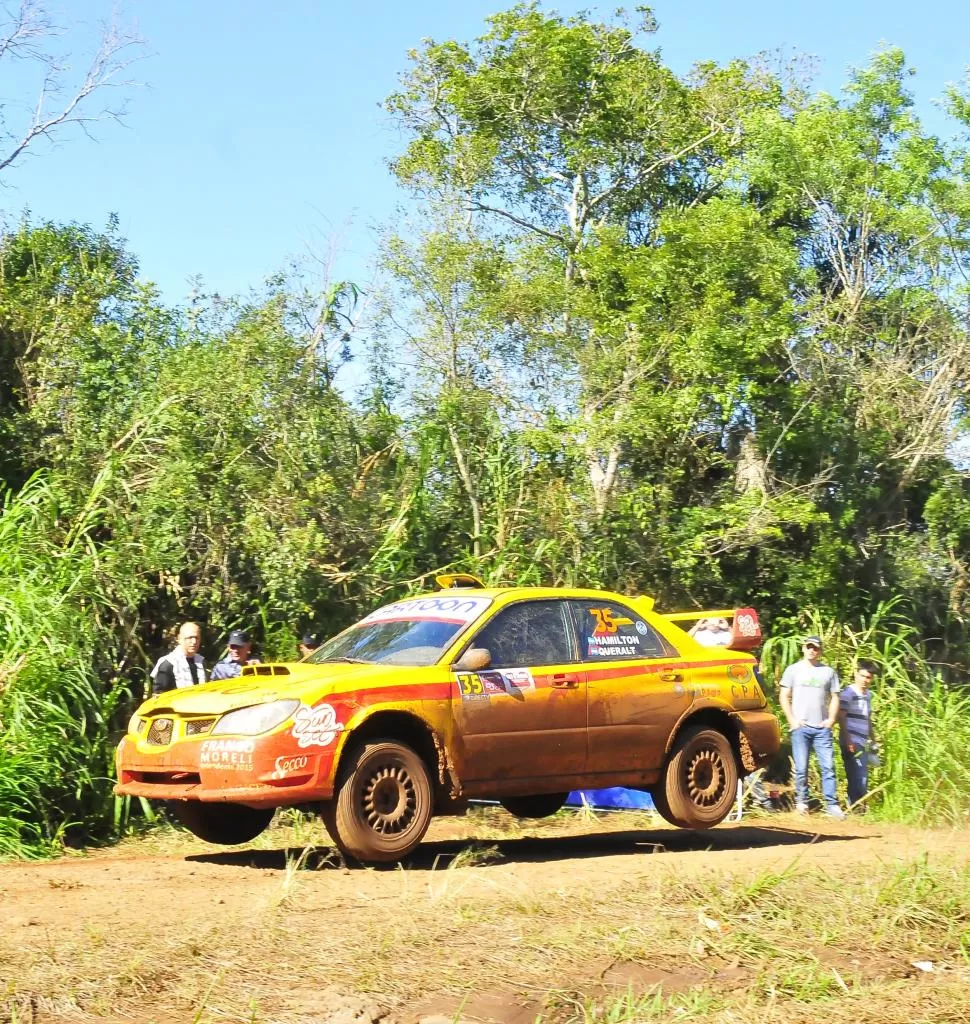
point(473, 659)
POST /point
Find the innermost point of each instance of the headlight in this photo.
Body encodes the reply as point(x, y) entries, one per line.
point(256, 719)
point(134, 725)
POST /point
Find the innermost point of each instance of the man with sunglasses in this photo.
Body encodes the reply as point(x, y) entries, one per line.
point(240, 651)
point(810, 700)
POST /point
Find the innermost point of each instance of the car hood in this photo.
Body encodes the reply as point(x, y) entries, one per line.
point(264, 683)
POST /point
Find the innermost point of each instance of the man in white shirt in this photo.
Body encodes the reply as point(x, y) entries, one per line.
point(810, 700)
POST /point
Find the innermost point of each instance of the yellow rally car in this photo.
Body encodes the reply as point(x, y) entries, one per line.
point(515, 694)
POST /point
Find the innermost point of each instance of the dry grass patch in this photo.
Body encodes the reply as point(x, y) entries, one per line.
point(598, 931)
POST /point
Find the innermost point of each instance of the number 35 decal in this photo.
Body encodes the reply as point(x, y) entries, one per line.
point(470, 685)
point(605, 620)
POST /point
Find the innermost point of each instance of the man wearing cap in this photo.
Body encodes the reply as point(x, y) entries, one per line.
point(240, 648)
point(309, 643)
point(182, 666)
point(810, 700)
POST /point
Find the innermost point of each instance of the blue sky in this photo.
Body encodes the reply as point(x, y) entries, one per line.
point(258, 133)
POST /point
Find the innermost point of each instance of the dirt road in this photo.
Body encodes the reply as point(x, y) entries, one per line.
point(486, 920)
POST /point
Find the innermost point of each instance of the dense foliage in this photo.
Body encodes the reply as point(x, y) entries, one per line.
point(701, 337)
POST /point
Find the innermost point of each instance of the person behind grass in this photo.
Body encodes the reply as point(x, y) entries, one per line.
point(182, 666)
point(855, 731)
point(239, 654)
point(308, 644)
point(810, 700)
point(712, 632)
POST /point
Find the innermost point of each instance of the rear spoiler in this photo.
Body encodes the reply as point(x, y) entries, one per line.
point(745, 627)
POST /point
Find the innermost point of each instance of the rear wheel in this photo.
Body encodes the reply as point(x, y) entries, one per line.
point(225, 824)
point(701, 780)
point(659, 797)
point(383, 803)
point(540, 806)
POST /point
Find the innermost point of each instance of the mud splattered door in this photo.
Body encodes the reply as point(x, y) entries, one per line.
point(525, 716)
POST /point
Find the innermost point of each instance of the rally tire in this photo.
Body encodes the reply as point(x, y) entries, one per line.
point(383, 804)
point(540, 806)
point(700, 781)
point(222, 823)
point(662, 807)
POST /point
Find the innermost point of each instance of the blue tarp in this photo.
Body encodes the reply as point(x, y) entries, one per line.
point(611, 799)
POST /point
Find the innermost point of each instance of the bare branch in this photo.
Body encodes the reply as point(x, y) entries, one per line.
point(482, 208)
point(59, 103)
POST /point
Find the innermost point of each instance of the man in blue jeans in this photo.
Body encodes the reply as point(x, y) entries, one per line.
point(810, 700)
point(855, 733)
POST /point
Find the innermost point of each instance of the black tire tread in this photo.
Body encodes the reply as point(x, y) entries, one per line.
point(539, 806)
point(355, 839)
point(224, 824)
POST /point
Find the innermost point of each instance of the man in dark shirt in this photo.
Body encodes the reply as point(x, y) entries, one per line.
point(240, 653)
point(855, 731)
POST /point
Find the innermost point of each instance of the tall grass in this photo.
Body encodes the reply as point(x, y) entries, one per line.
point(921, 721)
point(60, 601)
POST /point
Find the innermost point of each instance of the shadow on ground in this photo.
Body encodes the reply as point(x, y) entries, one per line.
point(435, 855)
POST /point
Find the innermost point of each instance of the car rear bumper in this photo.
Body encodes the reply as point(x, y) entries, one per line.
point(256, 772)
point(760, 738)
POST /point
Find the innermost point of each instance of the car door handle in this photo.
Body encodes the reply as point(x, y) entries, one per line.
point(565, 682)
point(671, 677)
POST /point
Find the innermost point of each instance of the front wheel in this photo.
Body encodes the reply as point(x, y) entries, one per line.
point(224, 824)
point(701, 780)
point(383, 803)
point(540, 806)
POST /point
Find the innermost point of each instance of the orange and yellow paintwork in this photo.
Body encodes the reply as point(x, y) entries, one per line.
point(580, 725)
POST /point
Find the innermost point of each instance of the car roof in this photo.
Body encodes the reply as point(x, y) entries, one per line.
point(540, 592)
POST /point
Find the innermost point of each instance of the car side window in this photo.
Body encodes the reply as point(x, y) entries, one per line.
point(612, 632)
point(529, 633)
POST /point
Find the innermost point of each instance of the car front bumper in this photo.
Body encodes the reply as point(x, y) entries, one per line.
point(264, 771)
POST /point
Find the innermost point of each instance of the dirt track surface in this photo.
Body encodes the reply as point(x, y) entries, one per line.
point(170, 929)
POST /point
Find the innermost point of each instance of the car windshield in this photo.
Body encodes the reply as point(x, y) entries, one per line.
point(415, 632)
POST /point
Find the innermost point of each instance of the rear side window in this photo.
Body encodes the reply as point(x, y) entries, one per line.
point(611, 632)
point(529, 633)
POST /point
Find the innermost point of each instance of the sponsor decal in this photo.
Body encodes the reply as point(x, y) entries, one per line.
point(642, 628)
point(519, 679)
point(315, 727)
point(619, 645)
point(747, 691)
point(289, 765)
point(746, 623)
point(706, 691)
point(231, 755)
point(481, 686)
point(744, 684)
point(738, 672)
point(447, 609)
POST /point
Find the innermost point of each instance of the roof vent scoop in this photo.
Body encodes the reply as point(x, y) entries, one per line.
point(265, 670)
point(459, 581)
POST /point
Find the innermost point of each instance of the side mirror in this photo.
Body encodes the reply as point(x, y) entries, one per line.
point(474, 659)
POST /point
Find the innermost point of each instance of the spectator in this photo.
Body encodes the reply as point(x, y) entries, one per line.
point(711, 632)
point(183, 666)
point(855, 731)
point(240, 653)
point(309, 643)
point(810, 700)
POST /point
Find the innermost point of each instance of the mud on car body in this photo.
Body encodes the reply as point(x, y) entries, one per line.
point(515, 694)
